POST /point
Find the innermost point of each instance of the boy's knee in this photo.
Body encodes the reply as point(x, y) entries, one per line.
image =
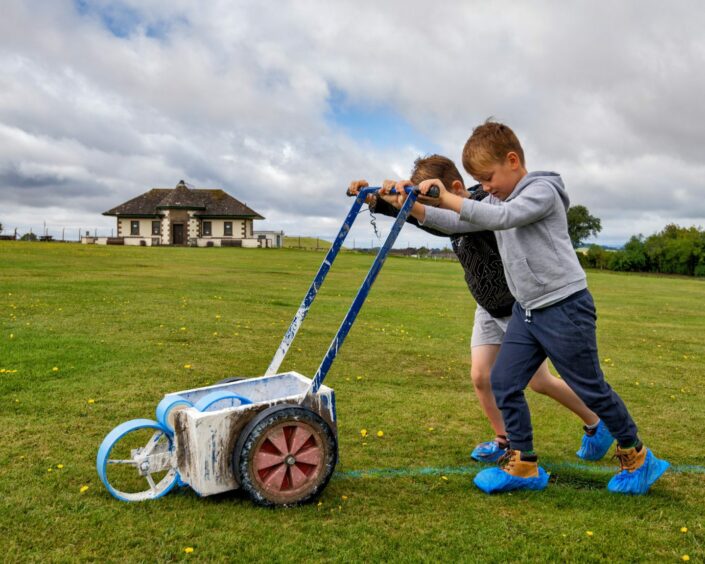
point(480, 378)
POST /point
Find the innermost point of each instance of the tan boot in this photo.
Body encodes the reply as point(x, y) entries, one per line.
point(629, 458)
point(512, 464)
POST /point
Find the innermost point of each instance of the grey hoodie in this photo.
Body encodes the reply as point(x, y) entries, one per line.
point(532, 235)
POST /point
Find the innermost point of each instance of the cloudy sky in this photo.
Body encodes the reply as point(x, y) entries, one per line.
point(282, 103)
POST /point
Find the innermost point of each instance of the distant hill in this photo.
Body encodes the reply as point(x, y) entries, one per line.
point(306, 243)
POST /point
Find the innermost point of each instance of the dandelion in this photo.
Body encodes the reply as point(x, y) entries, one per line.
point(684, 529)
point(182, 329)
point(380, 433)
point(188, 549)
point(363, 432)
point(359, 378)
point(215, 333)
point(48, 469)
point(187, 366)
point(673, 397)
point(83, 489)
point(55, 369)
point(685, 558)
point(589, 533)
point(91, 401)
point(59, 466)
point(430, 429)
point(217, 316)
point(344, 497)
point(12, 335)
point(444, 478)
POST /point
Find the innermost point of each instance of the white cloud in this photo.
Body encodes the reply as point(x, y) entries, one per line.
point(236, 95)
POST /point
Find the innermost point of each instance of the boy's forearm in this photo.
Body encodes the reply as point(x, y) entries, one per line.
point(450, 201)
point(529, 207)
point(447, 221)
point(418, 211)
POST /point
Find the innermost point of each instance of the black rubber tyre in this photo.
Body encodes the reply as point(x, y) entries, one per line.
point(285, 456)
point(229, 380)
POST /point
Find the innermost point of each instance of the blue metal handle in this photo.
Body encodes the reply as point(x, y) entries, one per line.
point(347, 323)
point(317, 282)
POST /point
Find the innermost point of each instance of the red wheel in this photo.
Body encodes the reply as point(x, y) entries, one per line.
point(286, 457)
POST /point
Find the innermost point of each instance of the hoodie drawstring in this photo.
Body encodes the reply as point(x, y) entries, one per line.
point(527, 315)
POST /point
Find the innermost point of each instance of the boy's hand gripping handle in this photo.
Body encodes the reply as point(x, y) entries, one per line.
point(433, 192)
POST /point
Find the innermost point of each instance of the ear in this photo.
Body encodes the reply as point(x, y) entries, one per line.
point(513, 160)
point(457, 187)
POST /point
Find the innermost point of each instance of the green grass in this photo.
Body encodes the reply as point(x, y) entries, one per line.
point(110, 320)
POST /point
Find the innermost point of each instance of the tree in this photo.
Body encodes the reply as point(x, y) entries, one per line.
point(632, 257)
point(582, 225)
point(597, 257)
point(28, 237)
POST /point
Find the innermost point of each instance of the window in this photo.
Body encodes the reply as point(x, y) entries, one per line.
point(207, 229)
point(228, 228)
point(134, 228)
point(155, 227)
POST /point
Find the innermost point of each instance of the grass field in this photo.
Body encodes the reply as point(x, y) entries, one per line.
point(93, 336)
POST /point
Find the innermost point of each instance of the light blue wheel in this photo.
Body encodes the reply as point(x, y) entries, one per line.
point(135, 461)
point(220, 400)
point(166, 408)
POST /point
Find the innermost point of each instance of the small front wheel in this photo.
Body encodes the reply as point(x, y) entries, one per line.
point(285, 456)
point(135, 461)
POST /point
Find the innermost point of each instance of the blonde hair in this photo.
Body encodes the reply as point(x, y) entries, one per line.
point(489, 144)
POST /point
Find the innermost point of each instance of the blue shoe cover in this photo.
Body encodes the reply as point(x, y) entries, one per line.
point(488, 452)
point(494, 480)
point(639, 481)
point(595, 447)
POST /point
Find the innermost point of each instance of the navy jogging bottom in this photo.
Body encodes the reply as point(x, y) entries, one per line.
point(565, 333)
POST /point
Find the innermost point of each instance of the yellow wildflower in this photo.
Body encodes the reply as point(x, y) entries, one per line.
point(363, 432)
point(55, 369)
point(59, 466)
point(91, 401)
point(444, 478)
point(589, 533)
point(344, 497)
point(685, 558)
point(188, 549)
point(380, 433)
point(83, 489)
point(187, 366)
point(684, 529)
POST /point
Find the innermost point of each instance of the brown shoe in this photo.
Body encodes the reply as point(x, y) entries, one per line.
point(513, 465)
point(629, 458)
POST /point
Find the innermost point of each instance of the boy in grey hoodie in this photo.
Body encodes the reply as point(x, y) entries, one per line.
point(554, 314)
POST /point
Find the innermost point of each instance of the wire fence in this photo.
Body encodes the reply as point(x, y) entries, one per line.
point(47, 232)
